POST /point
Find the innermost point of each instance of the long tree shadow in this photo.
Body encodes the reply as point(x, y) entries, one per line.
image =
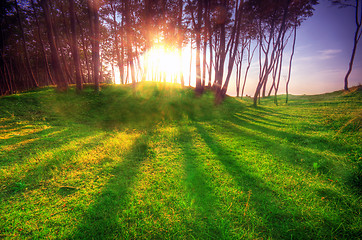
point(260, 120)
point(102, 220)
point(288, 153)
point(44, 169)
point(315, 142)
point(291, 154)
point(200, 192)
point(281, 220)
point(43, 140)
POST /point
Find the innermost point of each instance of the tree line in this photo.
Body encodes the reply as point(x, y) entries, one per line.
point(76, 41)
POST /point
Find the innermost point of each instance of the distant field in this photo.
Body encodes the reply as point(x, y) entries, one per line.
point(158, 163)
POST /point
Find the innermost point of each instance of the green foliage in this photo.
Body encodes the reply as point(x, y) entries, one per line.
point(156, 162)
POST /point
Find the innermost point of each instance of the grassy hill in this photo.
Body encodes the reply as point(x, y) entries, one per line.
point(157, 163)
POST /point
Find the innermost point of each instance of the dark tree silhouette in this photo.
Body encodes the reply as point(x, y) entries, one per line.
point(74, 46)
point(357, 5)
point(62, 84)
point(26, 53)
point(93, 8)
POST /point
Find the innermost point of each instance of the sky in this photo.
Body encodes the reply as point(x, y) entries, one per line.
point(323, 50)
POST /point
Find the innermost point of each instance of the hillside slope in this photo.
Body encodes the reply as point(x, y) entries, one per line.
point(158, 163)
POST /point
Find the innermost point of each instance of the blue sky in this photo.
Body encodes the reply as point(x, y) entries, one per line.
point(323, 49)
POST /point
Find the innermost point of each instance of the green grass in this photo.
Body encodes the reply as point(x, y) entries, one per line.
point(158, 163)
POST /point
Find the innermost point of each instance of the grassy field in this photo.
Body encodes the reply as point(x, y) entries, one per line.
point(158, 163)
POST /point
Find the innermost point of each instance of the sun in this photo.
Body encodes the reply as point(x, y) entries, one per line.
point(163, 63)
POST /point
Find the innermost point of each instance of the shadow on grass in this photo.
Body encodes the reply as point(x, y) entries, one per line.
point(313, 142)
point(46, 165)
point(280, 220)
point(289, 153)
point(208, 226)
point(107, 217)
point(13, 149)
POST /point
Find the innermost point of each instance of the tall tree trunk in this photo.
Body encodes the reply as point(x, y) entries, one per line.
point(250, 57)
point(210, 57)
point(27, 63)
point(357, 36)
point(74, 46)
point(233, 43)
point(180, 40)
point(276, 88)
point(97, 63)
point(62, 84)
point(198, 48)
point(190, 62)
point(238, 66)
point(42, 44)
point(121, 70)
point(93, 7)
point(129, 41)
point(85, 51)
point(220, 59)
point(116, 44)
point(290, 63)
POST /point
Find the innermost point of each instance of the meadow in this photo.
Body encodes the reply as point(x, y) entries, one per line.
point(156, 162)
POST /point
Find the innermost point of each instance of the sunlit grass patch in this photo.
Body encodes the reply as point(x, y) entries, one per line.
point(155, 162)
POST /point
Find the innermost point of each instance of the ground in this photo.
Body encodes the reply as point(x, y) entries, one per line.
point(156, 162)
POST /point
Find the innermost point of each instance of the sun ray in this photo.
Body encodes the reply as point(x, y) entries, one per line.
point(163, 64)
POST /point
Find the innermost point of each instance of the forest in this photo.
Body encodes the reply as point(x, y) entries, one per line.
point(116, 123)
point(93, 42)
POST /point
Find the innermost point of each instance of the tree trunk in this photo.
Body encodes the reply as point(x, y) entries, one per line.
point(198, 48)
point(42, 44)
point(121, 70)
point(357, 36)
point(290, 63)
point(62, 84)
point(27, 63)
point(74, 46)
point(276, 88)
point(233, 43)
point(220, 61)
point(250, 57)
point(180, 40)
point(268, 66)
point(116, 44)
point(97, 62)
point(129, 41)
point(94, 29)
point(190, 62)
point(85, 50)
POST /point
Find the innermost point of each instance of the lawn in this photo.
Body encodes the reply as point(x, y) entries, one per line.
point(155, 162)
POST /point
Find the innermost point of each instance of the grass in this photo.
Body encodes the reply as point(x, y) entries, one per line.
point(158, 163)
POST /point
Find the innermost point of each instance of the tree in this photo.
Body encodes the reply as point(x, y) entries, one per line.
point(357, 5)
point(275, 18)
point(27, 63)
point(93, 8)
point(232, 48)
point(74, 46)
point(290, 63)
point(196, 7)
point(129, 41)
point(62, 84)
